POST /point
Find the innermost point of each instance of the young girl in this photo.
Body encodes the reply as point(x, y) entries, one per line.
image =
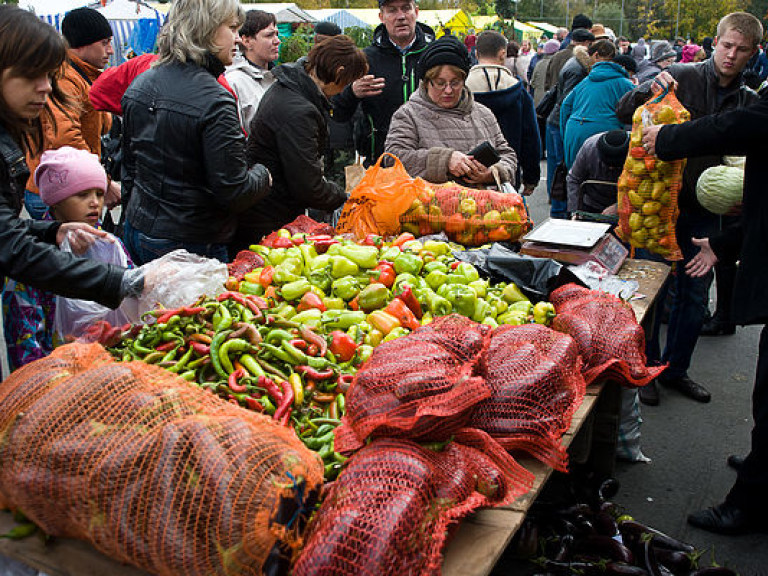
point(72, 184)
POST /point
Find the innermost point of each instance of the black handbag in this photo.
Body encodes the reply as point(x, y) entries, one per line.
point(559, 190)
point(547, 103)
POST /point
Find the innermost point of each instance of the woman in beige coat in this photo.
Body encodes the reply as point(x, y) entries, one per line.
point(435, 130)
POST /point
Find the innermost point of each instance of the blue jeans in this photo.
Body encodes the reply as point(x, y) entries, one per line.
point(690, 298)
point(555, 153)
point(34, 205)
point(143, 248)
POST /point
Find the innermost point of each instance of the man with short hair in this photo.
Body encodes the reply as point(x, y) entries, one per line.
point(623, 46)
point(493, 85)
point(392, 56)
point(708, 87)
point(89, 38)
point(249, 74)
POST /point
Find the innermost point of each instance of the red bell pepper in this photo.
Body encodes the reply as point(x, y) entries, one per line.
point(321, 242)
point(310, 300)
point(372, 240)
point(280, 242)
point(386, 274)
point(399, 310)
point(342, 345)
point(402, 239)
point(410, 300)
point(265, 278)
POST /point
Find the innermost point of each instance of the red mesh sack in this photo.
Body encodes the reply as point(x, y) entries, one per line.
point(419, 387)
point(648, 188)
point(610, 341)
point(149, 469)
point(536, 385)
point(467, 216)
point(390, 510)
point(301, 225)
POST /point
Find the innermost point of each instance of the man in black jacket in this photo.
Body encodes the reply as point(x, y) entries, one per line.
point(392, 56)
point(704, 88)
point(738, 132)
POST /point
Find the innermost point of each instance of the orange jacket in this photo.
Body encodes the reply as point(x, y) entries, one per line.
point(81, 127)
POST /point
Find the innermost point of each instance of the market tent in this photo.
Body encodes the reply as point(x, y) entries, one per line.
point(135, 26)
point(483, 22)
point(527, 32)
point(368, 15)
point(52, 11)
point(548, 29)
point(342, 18)
point(285, 13)
point(458, 21)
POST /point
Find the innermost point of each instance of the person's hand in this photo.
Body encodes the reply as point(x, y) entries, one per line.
point(663, 81)
point(703, 261)
point(81, 236)
point(650, 134)
point(480, 174)
point(528, 189)
point(612, 210)
point(112, 195)
point(460, 164)
point(368, 86)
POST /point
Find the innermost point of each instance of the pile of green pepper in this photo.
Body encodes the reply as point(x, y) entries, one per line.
point(288, 338)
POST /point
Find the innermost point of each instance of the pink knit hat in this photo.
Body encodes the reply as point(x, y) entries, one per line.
point(68, 171)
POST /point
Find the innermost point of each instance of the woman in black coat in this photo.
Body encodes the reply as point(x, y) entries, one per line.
point(290, 131)
point(738, 132)
point(31, 53)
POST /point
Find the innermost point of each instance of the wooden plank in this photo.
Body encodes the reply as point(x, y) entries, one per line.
point(476, 547)
point(650, 276)
point(60, 557)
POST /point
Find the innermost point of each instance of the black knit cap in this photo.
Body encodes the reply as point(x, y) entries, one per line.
point(581, 21)
point(84, 26)
point(327, 28)
point(447, 50)
point(613, 147)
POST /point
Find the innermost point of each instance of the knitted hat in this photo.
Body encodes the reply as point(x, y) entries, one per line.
point(613, 147)
point(581, 21)
point(582, 35)
point(551, 46)
point(689, 52)
point(662, 51)
point(68, 171)
point(84, 26)
point(326, 28)
point(446, 50)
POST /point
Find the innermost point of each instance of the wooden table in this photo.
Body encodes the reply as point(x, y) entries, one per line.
point(476, 546)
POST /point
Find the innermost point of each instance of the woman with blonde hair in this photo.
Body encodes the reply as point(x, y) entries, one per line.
point(185, 172)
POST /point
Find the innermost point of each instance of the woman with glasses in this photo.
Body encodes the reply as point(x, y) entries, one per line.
point(435, 130)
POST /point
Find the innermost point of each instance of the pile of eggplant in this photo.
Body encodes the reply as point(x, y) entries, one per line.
point(595, 537)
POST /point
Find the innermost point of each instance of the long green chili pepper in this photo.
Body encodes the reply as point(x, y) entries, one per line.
point(276, 352)
point(234, 345)
point(216, 343)
point(182, 362)
point(222, 318)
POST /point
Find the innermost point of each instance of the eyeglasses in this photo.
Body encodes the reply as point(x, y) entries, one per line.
point(441, 84)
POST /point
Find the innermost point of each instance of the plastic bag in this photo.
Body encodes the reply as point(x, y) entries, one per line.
point(468, 216)
point(178, 279)
point(376, 203)
point(73, 316)
point(536, 277)
point(649, 187)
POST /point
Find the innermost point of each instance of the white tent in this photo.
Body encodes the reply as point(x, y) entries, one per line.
point(127, 10)
point(53, 7)
point(342, 18)
point(284, 12)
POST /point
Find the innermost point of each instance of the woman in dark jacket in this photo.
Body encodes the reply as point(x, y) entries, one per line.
point(184, 155)
point(290, 130)
point(31, 53)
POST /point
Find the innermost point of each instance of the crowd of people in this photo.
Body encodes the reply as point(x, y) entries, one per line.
point(218, 147)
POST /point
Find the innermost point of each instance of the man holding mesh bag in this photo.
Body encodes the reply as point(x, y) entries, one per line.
point(703, 88)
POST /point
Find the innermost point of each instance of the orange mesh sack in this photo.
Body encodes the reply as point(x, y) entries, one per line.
point(610, 341)
point(421, 386)
point(376, 203)
point(390, 509)
point(649, 187)
point(149, 469)
point(467, 216)
point(536, 383)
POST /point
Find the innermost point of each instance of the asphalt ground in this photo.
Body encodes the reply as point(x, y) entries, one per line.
point(687, 442)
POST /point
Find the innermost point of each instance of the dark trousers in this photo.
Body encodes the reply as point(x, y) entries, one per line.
point(750, 492)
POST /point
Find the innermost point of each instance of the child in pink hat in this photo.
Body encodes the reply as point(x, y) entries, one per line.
point(72, 183)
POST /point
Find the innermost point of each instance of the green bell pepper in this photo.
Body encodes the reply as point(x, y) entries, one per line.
point(341, 319)
point(396, 333)
point(462, 298)
point(390, 253)
point(480, 287)
point(321, 278)
point(320, 262)
point(468, 271)
point(435, 279)
point(489, 321)
point(364, 256)
point(513, 318)
point(435, 265)
point(294, 252)
point(332, 303)
point(437, 248)
point(373, 297)
point(251, 288)
point(543, 313)
point(438, 305)
point(522, 306)
point(512, 294)
point(277, 255)
point(309, 317)
point(295, 290)
point(342, 266)
point(482, 310)
point(405, 278)
point(345, 288)
point(408, 263)
point(308, 254)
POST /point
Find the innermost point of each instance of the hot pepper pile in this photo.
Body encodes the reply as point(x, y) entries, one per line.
point(287, 337)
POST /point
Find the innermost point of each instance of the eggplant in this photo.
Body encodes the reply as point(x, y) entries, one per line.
point(632, 528)
point(621, 569)
point(677, 560)
point(714, 571)
point(605, 524)
point(608, 489)
point(651, 562)
point(605, 547)
point(566, 543)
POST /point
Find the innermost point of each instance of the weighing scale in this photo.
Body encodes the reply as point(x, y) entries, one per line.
point(575, 242)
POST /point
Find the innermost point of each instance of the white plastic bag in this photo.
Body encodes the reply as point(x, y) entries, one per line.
point(74, 316)
point(178, 279)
